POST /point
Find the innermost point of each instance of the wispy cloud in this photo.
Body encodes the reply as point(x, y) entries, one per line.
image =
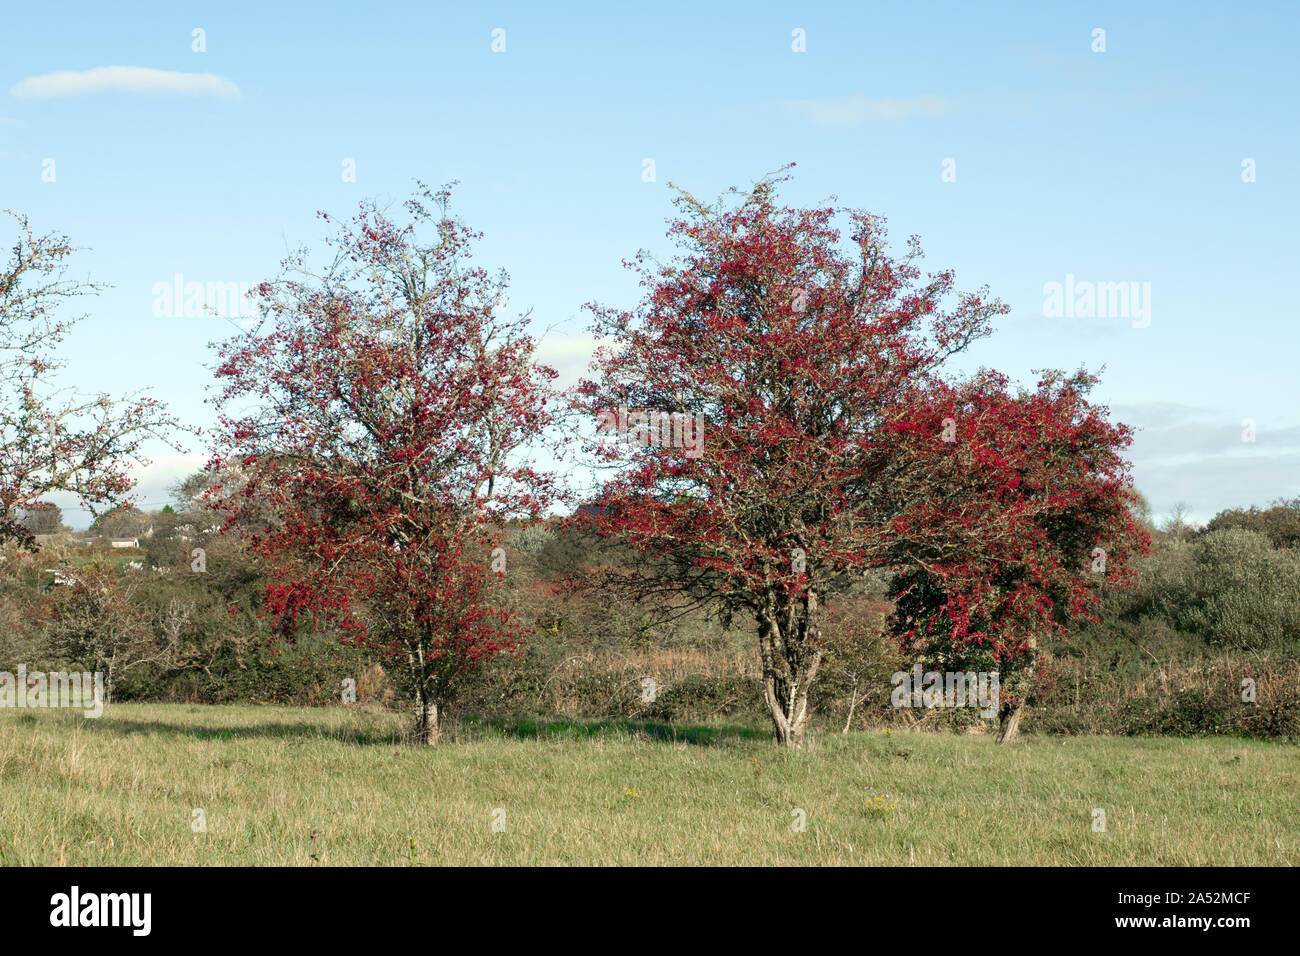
point(153, 489)
point(123, 79)
point(1209, 460)
point(859, 109)
point(1217, 482)
point(569, 355)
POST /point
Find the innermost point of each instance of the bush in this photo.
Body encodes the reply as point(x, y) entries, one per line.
point(1280, 523)
point(1200, 713)
point(1231, 587)
point(861, 657)
point(533, 540)
point(1147, 678)
point(704, 698)
point(1244, 591)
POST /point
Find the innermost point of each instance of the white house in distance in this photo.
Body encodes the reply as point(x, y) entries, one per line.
point(124, 542)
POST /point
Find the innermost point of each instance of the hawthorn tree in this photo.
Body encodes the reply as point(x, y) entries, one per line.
point(816, 369)
point(373, 442)
point(1029, 516)
point(54, 439)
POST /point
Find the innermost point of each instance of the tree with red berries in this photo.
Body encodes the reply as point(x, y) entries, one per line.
point(778, 412)
point(374, 440)
point(54, 439)
point(1023, 514)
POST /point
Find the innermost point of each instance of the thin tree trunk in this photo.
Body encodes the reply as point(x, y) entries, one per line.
point(853, 703)
point(426, 730)
point(433, 730)
point(1009, 721)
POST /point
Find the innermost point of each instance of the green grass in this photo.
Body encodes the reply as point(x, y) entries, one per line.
point(121, 790)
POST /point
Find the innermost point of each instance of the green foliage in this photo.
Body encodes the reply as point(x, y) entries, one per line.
point(306, 674)
point(1230, 587)
point(700, 697)
point(1195, 712)
point(533, 539)
point(1168, 657)
point(1244, 592)
point(1279, 523)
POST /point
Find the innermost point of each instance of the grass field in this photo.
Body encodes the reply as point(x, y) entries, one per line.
point(122, 790)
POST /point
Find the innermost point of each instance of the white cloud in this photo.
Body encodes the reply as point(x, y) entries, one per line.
point(858, 109)
point(123, 79)
point(1156, 414)
point(569, 355)
point(1214, 483)
point(154, 483)
point(1202, 457)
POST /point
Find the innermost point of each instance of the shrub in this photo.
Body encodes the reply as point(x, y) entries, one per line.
point(703, 698)
point(1245, 591)
point(1279, 523)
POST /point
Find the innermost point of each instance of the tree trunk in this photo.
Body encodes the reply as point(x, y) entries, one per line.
point(426, 731)
point(1009, 721)
point(853, 705)
point(789, 669)
point(789, 712)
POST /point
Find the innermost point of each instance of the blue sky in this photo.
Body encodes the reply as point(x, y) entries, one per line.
point(1122, 166)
